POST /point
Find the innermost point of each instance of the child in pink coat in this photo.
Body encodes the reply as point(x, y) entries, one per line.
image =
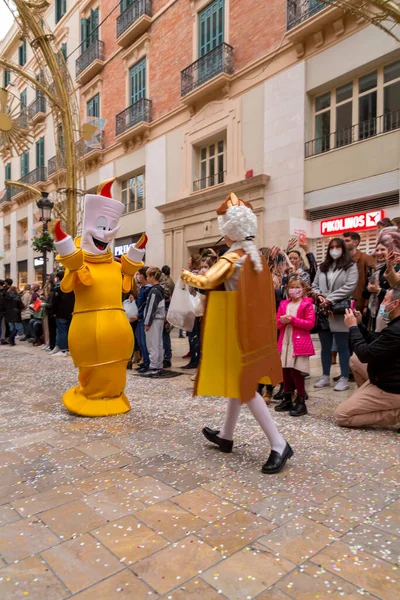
point(295, 319)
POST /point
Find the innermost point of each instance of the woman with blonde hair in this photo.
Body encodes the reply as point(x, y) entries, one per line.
point(26, 314)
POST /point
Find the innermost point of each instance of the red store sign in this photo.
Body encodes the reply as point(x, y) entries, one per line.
point(360, 222)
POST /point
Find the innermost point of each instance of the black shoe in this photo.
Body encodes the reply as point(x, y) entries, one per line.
point(300, 407)
point(285, 404)
point(337, 378)
point(279, 393)
point(152, 373)
point(4, 343)
point(24, 339)
point(167, 364)
point(181, 337)
point(351, 377)
point(276, 461)
point(142, 369)
point(212, 436)
point(129, 365)
point(190, 366)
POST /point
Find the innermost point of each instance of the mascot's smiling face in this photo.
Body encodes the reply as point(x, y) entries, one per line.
point(100, 223)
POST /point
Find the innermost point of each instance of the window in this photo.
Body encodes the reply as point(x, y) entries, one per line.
point(133, 193)
point(64, 50)
point(22, 100)
point(211, 27)
point(322, 122)
point(344, 114)
point(7, 77)
point(93, 106)
point(212, 166)
point(391, 96)
point(7, 171)
point(123, 5)
point(89, 29)
point(137, 82)
point(24, 164)
point(40, 153)
point(22, 54)
point(367, 102)
point(61, 9)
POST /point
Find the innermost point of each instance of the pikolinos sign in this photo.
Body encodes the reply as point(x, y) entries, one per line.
point(360, 222)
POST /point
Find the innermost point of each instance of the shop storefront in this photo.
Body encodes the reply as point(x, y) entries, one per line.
point(22, 273)
point(7, 271)
point(121, 245)
point(38, 264)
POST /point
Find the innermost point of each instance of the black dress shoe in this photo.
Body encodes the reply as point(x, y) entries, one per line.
point(286, 404)
point(300, 407)
point(167, 364)
point(276, 461)
point(212, 436)
point(190, 366)
point(279, 393)
point(142, 369)
point(152, 373)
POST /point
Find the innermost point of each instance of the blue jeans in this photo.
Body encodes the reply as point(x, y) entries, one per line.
point(14, 329)
point(342, 342)
point(167, 344)
point(194, 343)
point(62, 327)
point(141, 340)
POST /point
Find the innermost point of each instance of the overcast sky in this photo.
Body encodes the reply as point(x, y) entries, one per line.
point(6, 19)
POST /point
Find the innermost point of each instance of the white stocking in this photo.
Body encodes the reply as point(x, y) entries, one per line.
point(232, 414)
point(260, 412)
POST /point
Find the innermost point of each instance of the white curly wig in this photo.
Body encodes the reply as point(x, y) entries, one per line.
point(239, 223)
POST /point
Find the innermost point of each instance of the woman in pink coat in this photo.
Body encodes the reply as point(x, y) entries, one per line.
point(295, 319)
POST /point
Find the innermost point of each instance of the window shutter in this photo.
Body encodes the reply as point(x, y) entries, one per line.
point(8, 171)
point(137, 81)
point(84, 40)
point(211, 27)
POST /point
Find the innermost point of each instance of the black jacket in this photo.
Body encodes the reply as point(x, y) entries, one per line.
point(381, 351)
point(3, 302)
point(155, 305)
point(62, 304)
point(13, 307)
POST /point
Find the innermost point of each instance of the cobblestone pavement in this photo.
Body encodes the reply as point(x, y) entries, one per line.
point(140, 506)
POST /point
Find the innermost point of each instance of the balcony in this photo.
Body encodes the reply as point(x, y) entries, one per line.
point(90, 62)
point(310, 18)
point(210, 181)
point(133, 22)
point(8, 194)
point(21, 243)
point(133, 121)
point(356, 133)
point(210, 73)
point(37, 109)
point(54, 164)
point(299, 11)
point(38, 175)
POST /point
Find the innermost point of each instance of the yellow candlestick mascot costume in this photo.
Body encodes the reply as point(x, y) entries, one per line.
point(239, 340)
point(100, 337)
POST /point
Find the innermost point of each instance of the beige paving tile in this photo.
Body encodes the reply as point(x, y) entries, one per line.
point(313, 581)
point(30, 578)
point(372, 494)
point(122, 586)
point(106, 479)
point(34, 450)
point(280, 507)
point(388, 519)
point(205, 505)
point(197, 589)
point(9, 458)
point(113, 503)
point(247, 573)
point(71, 520)
point(130, 540)
point(115, 461)
point(8, 477)
point(99, 449)
point(362, 569)
point(46, 500)
point(382, 544)
point(8, 514)
point(149, 490)
point(273, 594)
point(176, 564)
point(24, 538)
point(298, 539)
point(389, 477)
point(235, 531)
point(172, 521)
point(235, 492)
point(17, 491)
point(339, 513)
point(81, 562)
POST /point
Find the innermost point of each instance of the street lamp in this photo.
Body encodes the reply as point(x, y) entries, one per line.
point(45, 206)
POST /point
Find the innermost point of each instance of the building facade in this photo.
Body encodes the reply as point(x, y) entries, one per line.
point(295, 108)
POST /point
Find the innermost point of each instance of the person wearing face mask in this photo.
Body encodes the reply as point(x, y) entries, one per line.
point(376, 367)
point(333, 286)
point(295, 319)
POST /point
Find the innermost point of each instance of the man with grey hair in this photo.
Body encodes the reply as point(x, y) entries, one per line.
point(376, 367)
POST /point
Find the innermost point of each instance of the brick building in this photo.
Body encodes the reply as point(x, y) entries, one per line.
point(293, 105)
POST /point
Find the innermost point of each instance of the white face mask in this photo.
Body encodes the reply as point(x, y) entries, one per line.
point(335, 253)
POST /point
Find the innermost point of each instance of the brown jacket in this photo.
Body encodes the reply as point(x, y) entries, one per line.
point(363, 261)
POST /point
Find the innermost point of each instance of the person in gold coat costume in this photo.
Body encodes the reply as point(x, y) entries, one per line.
point(239, 347)
point(100, 337)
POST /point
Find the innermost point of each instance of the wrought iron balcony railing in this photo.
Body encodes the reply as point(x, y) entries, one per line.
point(9, 193)
point(21, 243)
point(37, 106)
point(301, 10)
point(35, 176)
point(54, 163)
point(206, 182)
point(132, 13)
point(217, 61)
point(131, 116)
point(94, 52)
point(356, 133)
point(96, 145)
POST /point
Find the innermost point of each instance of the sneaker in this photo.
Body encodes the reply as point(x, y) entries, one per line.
point(152, 373)
point(342, 385)
point(324, 381)
point(142, 370)
point(54, 351)
point(61, 353)
point(42, 347)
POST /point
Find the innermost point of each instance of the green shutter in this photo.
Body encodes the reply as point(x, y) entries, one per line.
point(211, 27)
point(93, 26)
point(24, 164)
point(40, 152)
point(8, 171)
point(93, 107)
point(137, 81)
point(23, 100)
point(84, 35)
point(7, 77)
point(64, 50)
